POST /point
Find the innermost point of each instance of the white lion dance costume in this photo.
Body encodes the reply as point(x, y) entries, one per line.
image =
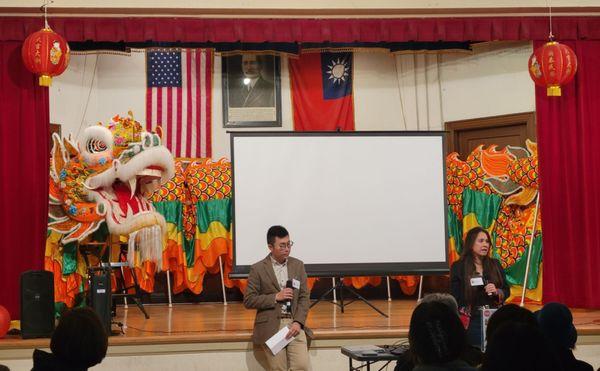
point(107, 178)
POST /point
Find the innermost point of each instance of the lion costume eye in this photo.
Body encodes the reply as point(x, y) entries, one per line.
point(96, 145)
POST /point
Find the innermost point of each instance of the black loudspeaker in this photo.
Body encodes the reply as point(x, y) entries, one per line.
point(37, 304)
point(101, 297)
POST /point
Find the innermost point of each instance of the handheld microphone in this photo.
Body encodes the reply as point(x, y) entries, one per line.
point(288, 302)
point(485, 282)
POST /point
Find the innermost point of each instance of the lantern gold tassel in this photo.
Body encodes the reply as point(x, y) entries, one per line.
point(45, 80)
point(553, 91)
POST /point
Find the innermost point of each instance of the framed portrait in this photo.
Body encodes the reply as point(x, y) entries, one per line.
point(251, 90)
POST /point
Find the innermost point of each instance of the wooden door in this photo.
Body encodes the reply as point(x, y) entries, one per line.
point(466, 135)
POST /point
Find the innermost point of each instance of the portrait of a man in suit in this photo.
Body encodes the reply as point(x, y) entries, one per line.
point(253, 87)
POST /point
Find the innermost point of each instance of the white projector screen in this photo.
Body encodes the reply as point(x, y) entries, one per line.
point(354, 203)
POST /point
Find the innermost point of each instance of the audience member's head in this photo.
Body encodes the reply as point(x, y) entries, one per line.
point(436, 334)
point(556, 322)
point(509, 313)
point(80, 339)
point(4, 368)
point(518, 346)
point(443, 298)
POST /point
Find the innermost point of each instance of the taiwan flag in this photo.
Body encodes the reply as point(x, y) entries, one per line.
point(322, 92)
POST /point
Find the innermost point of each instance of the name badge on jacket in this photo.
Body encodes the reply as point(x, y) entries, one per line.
point(296, 284)
point(477, 281)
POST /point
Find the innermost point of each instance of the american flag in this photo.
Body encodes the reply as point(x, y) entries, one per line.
point(178, 98)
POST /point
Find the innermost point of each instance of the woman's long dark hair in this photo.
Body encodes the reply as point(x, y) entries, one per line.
point(490, 269)
point(435, 334)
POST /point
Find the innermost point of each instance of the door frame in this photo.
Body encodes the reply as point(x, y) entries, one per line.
point(452, 127)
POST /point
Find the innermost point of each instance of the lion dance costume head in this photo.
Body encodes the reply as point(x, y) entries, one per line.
point(107, 178)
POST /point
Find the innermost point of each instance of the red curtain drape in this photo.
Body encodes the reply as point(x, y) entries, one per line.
point(24, 161)
point(569, 159)
point(168, 29)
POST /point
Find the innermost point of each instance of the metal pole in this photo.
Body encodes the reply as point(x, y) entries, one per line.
point(124, 291)
point(222, 280)
point(169, 288)
point(537, 205)
point(387, 278)
point(333, 285)
point(420, 288)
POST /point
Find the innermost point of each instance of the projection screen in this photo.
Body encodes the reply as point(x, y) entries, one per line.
point(355, 203)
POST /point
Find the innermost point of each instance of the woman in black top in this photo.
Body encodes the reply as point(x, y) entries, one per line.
point(477, 281)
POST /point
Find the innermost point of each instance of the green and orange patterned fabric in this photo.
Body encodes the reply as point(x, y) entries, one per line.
point(497, 190)
point(196, 204)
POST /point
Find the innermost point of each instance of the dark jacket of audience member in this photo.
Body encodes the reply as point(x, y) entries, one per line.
point(78, 343)
point(556, 322)
point(437, 338)
point(518, 346)
point(49, 362)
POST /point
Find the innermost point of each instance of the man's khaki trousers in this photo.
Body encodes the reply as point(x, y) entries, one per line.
point(294, 357)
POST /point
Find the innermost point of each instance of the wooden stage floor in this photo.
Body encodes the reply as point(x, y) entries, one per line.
point(215, 322)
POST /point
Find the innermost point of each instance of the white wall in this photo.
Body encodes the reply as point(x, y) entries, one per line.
point(391, 92)
point(96, 87)
point(74, 96)
point(375, 86)
point(493, 81)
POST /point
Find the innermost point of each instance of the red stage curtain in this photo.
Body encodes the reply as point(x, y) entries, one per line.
point(569, 159)
point(304, 30)
point(24, 164)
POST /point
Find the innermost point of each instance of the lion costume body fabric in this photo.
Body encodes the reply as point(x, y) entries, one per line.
point(497, 190)
point(176, 215)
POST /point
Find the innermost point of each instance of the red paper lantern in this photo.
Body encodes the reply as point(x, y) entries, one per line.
point(552, 65)
point(45, 53)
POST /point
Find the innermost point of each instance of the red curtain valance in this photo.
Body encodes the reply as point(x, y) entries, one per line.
point(304, 30)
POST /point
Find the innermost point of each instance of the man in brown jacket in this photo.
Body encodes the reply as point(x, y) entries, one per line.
point(268, 294)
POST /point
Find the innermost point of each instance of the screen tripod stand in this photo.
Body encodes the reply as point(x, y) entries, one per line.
point(339, 285)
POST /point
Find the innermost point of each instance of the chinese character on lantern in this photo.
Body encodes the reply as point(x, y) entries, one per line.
point(46, 54)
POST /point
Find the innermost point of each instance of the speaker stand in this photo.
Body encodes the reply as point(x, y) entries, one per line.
point(340, 287)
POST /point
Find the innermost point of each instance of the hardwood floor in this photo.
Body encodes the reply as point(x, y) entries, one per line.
point(215, 322)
